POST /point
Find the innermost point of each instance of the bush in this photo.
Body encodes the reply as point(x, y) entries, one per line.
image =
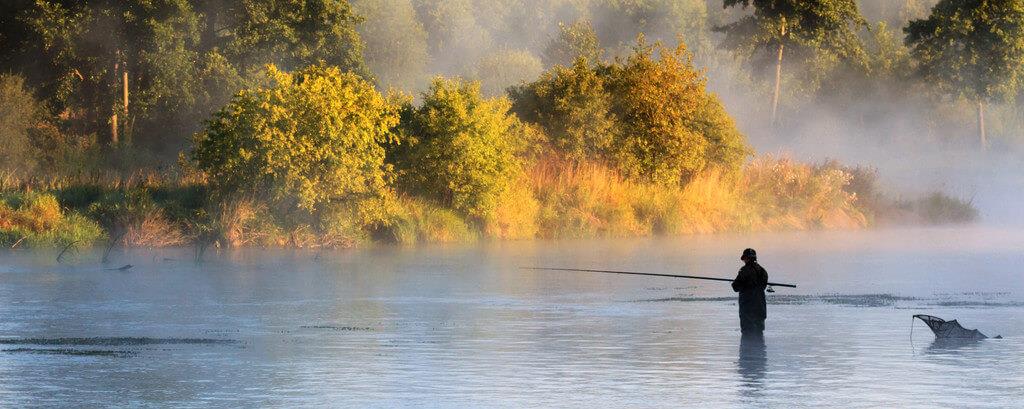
point(574, 108)
point(418, 221)
point(36, 220)
point(462, 148)
point(301, 141)
point(939, 208)
point(784, 194)
point(651, 118)
point(134, 219)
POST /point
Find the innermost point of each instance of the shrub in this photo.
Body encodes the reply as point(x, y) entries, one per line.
point(516, 214)
point(672, 128)
point(784, 194)
point(420, 221)
point(651, 118)
point(36, 219)
point(462, 148)
point(134, 219)
point(939, 208)
point(300, 143)
point(574, 108)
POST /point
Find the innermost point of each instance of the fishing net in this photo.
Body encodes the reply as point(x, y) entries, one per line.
point(949, 329)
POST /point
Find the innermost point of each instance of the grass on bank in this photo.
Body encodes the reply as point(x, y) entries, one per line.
point(552, 199)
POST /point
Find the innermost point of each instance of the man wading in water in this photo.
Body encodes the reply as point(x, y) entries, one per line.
point(750, 283)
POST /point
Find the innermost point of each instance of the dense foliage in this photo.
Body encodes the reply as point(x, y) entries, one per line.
point(972, 48)
point(462, 148)
point(304, 139)
point(158, 122)
point(650, 117)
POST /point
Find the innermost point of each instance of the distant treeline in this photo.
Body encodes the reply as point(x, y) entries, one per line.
point(321, 123)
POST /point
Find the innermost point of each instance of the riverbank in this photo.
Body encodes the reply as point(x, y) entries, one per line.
point(551, 199)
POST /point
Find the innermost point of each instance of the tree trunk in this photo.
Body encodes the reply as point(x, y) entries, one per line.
point(981, 124)
point(778, 86)
point(127, 131)
point(125, 76)
point(778, 73)
point(113, 129)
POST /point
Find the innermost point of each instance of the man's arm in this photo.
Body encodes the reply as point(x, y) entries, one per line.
point(741, 282)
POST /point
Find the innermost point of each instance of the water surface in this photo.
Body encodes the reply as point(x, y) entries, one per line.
point(462, 326)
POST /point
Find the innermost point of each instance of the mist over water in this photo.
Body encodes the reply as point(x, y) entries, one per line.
point(462, 326)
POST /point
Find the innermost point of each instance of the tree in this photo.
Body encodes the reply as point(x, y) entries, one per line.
point(20, 112)
point(502, 69)
point(295, 34)
point(573, 41)
point(461, 148)
point(807, 25)
point(573, 105)
point(455, 37)
point(396, 43)
point(671, 127)
point(973, 49)
point(648, 115)
point(303, 140)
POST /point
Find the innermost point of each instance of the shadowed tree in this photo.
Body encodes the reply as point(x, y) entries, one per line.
point(972, 49)
point(812, 25)
point(573, 41)
point(396, 43)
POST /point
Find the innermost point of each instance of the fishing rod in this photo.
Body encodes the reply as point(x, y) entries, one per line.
point(585, 270)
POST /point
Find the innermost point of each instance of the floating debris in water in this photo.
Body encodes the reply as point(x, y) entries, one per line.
point(853, 300)
point(69, 351)
point(113, 341)
point(336, 328)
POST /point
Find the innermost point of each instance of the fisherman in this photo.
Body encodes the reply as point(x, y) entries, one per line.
point(750, 283)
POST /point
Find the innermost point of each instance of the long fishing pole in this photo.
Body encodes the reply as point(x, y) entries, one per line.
point(585, 270)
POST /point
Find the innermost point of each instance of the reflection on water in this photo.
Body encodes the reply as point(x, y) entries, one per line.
point(462, 326)
point(752, 364)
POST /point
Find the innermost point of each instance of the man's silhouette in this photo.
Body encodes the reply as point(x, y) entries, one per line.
point(750, 283)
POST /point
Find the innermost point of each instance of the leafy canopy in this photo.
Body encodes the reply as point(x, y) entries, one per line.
point(304, 139)
point(649, 115)
point(810, 25)
point(971, 48)
point(462, 148)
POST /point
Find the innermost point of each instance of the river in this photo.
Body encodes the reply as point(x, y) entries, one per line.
point(463, 326)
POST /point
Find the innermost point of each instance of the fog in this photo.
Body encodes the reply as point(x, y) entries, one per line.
point(917, 142)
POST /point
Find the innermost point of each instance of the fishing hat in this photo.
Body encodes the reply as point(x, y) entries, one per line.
point(749, 254)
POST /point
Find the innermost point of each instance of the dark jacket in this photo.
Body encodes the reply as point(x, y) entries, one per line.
point(750, 283)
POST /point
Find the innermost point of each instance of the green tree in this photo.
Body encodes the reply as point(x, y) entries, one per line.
point(973, 49)
point(502, 69)
point(810, 26)
point(396, 43)
point(20, 112)
point(619, 21)
point(455, 37)
point(294, 33)
point(573, 106)
point(303, 140)
point(126, 65)
point(462, 148)
point(573, 41)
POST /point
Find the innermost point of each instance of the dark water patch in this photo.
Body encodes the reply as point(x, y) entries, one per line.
point(977, 304)
point(853, 300)
point(688, 299)
point(336, 328)
point(115, 341)
point(70, 352)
